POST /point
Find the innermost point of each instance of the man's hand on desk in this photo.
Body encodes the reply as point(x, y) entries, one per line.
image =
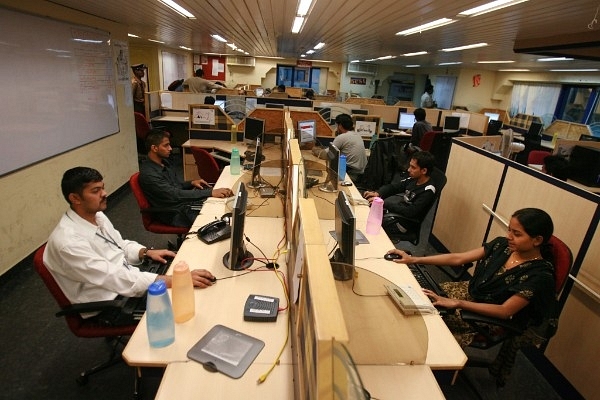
point(200, 184)
point(200, 278)
point(370, 195)
point(221, 193)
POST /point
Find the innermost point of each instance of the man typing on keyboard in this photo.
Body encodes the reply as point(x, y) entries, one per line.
point(164, 189)
point(87, 256)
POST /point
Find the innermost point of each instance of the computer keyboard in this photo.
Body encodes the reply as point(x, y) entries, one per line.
point(221, 155)
point(425, 280)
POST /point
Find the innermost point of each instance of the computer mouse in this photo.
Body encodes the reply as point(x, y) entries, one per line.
point(213, 279)
point(392, 256)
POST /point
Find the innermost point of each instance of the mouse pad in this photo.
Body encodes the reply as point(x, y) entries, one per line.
point(225, 350)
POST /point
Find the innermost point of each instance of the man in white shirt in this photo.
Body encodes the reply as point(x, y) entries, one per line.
point(197, 83)
point(87, 256)
point(427, 98)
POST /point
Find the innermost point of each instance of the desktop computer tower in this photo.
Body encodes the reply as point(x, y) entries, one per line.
point(584, 165)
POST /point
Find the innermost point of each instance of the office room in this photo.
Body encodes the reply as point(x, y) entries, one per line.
point(387, 65)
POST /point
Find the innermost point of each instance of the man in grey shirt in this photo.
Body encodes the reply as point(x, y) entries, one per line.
point(350, 144)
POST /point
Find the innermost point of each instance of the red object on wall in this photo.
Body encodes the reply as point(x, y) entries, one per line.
point(476, 80)
point(214, 69)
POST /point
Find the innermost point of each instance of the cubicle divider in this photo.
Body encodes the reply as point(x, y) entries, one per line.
point(504, 186)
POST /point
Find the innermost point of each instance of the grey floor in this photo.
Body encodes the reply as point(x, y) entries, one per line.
point(41, 358)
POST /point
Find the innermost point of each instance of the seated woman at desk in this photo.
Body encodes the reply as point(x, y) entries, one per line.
point(513, 279)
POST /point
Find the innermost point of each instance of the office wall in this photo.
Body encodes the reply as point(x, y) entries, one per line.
point(31, 198)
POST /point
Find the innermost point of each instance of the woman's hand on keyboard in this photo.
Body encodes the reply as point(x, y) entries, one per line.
point(440, 301)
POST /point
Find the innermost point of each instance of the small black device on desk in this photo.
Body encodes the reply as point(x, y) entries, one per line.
point(261, 308)
point(215, 231)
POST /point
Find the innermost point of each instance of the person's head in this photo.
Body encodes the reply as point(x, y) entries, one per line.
point(310, 94)
point(209, 100)
point(429, 89)
point(344, 123)
point(420, 114)
point(281, 88)
point(83, 189)
point(529, 228)
point(556, 166)
point(158, 144)
point(199, 73)
point(138, 70)
point(421, 164)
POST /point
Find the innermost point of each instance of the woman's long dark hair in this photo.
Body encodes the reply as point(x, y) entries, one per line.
point(537, 222)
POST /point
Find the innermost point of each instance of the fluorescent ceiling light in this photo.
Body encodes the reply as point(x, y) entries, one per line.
point(354, 61)
point(155, 41)
point(321, 61)
point(386, 57)
point(178, 9)
point(467, 47)
point(514, 70)
point(87, 40)
point(495, 62)
point(219, 38)
point(303, 7)
point(298, 22)
point(185, 48)
point(302, 55)
point(418, 53)
point(232, 46)
point(310, 52)
point(319, 46)
point(413, 66)
point(132, 35)
point(427, 26)
point(450, 63)
point(272, 58)
point(555, 59)
point(575, 70)
point(489, 7)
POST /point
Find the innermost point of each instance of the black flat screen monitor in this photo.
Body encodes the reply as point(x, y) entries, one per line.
point(238, 258)
point(253, 129)
point(274, 105)
point(325, 112)
point(307, 131)
point(333, 159)
point(584, 165)
point(405, 121)
point(359, 111)
point(451, 123)
point(535, 130)
point(256, 180)
point(492, 116)
point(345, 230)
point(494, 127)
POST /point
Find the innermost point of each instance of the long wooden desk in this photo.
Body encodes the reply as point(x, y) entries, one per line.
point(223, 304)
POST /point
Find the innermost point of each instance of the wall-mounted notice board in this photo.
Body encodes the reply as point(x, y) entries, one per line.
point(58, 88)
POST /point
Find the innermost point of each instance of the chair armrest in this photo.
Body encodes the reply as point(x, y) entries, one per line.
point(474, 318)
point(404, 224)
point(91, 307)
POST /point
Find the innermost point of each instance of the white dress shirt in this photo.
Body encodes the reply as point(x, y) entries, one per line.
point(94, 263)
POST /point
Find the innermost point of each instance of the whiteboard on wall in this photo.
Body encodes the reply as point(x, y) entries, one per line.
point(58, 88)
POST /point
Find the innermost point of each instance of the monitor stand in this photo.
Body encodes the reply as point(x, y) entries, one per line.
point(327, 187)
point(256, 184)
point(244, 263)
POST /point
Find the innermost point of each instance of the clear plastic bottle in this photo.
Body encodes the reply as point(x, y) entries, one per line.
point(183, 293)
point(342, 168)
point(234, 133)
point(159, 316)
point(375, 216)
point(235, 162)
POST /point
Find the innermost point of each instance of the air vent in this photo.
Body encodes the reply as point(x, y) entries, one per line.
point(243, 61)
point(366, 69)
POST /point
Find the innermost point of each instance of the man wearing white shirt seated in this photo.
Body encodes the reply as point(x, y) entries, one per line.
point(87, 256)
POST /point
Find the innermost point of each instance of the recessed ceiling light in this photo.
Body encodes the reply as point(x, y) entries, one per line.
point(232, 46)
point(219, 38)
point(310, 52)
point(303, 7)
point(418, 53)
point(298, 22)
point(177, 8)
point(466, 47)
point(319, 46)
point(450, 63)
point(514, 70)
point(576, 70)
point(495, 62)
point(155, 41)
point(132, 35)
point(412, 66)
point(354, 61)
point(489, 7)
point(427, 26)
point(185, 48)
point(555, 59)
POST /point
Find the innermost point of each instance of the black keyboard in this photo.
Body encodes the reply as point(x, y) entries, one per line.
point(136, 306)
point(424, 279)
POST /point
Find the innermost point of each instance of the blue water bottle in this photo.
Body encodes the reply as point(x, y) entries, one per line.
point(234, 166)
point(159, 316)
point(342, 168)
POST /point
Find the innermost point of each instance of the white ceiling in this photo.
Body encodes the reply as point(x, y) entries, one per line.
point(358, 29)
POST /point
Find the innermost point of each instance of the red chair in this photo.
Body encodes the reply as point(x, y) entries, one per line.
point(142, 127)
point(537, 157)
point(151, 224)
point(427, 140)
point(79, 326)
point(207, 166)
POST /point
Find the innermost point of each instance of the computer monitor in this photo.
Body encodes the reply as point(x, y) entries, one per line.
point(307, 131)
point(238, 258)
point(333, 158)
point(492, 116)
point(259, 92)
point(220, 103)
point(256, 181)
point(451, 123)
point(584, 165)
point(253, 129)
point(274, 105)
point(405, 121)
point(494, 127)
point(325, 112)
point(345, 230)
point(535, 131)
point(359, 111)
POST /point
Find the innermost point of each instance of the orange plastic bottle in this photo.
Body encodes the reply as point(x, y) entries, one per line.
point(182, 293)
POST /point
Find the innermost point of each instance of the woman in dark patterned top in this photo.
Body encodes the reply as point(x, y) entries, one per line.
point(513, 279)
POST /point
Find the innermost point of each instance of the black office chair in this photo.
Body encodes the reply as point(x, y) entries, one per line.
point(400, 228)
point(387, 158)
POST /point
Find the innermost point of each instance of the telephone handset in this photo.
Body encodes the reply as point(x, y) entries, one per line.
point(215, 231)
